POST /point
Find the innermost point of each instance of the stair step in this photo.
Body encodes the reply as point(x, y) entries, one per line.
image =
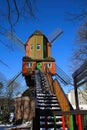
point(47, 101)
point(46, 98)
point(50, 108)
point(46, 105)
point(51, 123)
point(45, 95)
point(50, 117)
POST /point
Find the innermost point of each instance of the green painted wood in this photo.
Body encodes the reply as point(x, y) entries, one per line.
point(42, 47)
point(86, 117)
point(39, 66)
point(54, 122)
point(36, 46)
point(71, 123)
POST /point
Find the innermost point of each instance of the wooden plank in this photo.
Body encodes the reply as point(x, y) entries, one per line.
point(80, 83)
point(80, 122)
point(63, 122)
point(48, 112)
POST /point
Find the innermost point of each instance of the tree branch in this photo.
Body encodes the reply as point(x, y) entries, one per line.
point(16, 7)
point(9, 13)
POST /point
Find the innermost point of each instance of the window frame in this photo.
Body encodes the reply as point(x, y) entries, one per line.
point(38, 45)
point(49, 65)
point(29, 65)
point(31, 47)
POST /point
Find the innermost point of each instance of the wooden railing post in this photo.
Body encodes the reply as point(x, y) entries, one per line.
point(63, 122)
point(36, 123)
point(80, 122)
point(71, 123)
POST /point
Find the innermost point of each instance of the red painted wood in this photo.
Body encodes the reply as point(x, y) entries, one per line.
point(63, 123)
point(79, 122)
point(24, 68)
point(68, 121)
point(53, 68)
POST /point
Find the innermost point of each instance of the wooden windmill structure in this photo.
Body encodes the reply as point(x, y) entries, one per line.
point(47, 91)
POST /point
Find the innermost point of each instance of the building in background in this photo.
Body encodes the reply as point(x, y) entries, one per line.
point(81, 98)
point(6, 105)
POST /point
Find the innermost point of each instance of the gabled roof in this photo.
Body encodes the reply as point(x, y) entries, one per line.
point(38, 32)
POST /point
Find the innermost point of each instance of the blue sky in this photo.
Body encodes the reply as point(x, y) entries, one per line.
point(51, 14)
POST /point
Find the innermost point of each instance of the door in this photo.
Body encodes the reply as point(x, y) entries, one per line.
point(39, 66)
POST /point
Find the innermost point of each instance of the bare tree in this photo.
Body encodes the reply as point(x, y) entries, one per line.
point(82, 33)
point(79, 55)
point(1, 86)
point(84, 92)
point(12, 89)
point(3, 81)
point(12, 10)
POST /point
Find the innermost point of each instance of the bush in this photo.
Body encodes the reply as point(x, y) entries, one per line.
point(4, 118)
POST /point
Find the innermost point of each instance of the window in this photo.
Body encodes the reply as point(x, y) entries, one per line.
point(81, 107)
point(79, 93)
point(31, 47)
point(38, 46)
point(29, 65)
point(48, 65)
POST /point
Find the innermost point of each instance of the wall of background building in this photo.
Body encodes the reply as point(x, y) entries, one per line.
point(82, 101)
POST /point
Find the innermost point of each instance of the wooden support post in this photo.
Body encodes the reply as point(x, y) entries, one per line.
point(76, 96)
point(71, 123)
point(86, 117)
point(36, 123)
point(46, 127)
point(84, 121)
point(63, 123)
point(76, 120)
point(80, 122)
point(54, 122)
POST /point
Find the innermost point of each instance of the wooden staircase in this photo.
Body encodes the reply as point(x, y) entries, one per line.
point(46, 104)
